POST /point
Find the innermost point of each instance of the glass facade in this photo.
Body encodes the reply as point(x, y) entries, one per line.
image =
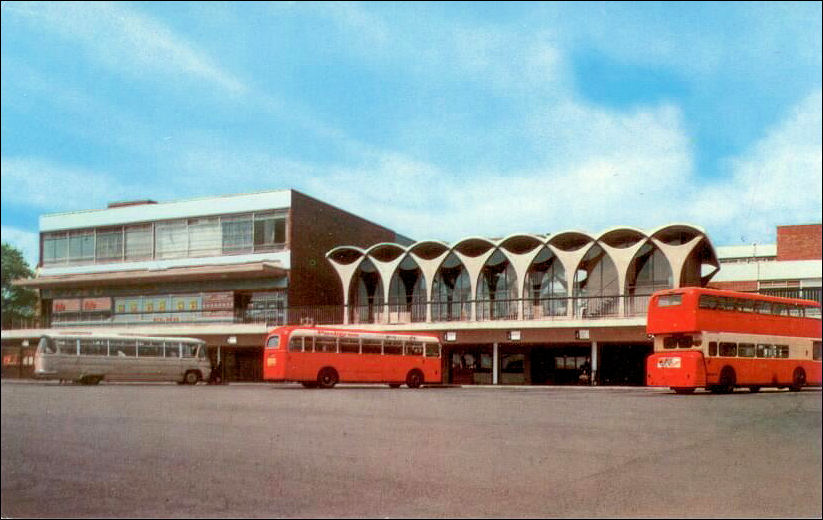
point(180, 238)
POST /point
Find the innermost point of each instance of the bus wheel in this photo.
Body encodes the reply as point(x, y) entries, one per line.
point(798, 379)
point(414, 379)
point(394, 385)
point(754, 389)
point(191, 377)
point(683, 391)
point(727, 380)
point(327, 378)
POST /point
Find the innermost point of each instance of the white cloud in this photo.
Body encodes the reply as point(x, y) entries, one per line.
point(127, 41)
point(26, 241)
point(777, 181)
point(37, 183)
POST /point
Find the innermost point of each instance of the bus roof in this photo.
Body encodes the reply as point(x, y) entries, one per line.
point(737, 294)
point(316, 331)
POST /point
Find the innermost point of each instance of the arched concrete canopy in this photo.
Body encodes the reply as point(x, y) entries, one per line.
point(521, 243)
point(622, 237)
point(428, 249)
point(385, 251)
point(345, 260)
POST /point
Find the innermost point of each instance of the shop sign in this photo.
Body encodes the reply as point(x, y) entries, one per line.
point(65, 305)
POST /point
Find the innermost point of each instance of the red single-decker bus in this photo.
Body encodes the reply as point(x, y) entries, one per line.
point(722, 340)
point(322, 357)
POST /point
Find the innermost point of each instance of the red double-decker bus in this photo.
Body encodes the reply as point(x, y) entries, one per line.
point(721, 340)
point(322, 357)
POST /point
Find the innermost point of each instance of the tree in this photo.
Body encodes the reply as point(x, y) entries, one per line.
point(18, 302)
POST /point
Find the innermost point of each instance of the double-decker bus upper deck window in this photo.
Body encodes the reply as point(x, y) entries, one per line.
point(432, 350)
point(296, 344)
point(745, 350)
point(325, 344)
point(763, 307)
point(712, 348)
point(707, 301)
point(795, 311)
point(349, 345)
point(669, 300)
point(393, 347)
point(813, 312)
point(728, 349)
point(745, 305)
point(372, 346)
point(273, 342)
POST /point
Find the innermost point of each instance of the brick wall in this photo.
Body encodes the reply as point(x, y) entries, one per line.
point(803, 242)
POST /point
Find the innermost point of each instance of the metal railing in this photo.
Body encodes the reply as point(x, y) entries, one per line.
point(529, 309)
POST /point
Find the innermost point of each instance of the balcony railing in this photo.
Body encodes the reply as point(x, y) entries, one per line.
point(532, 309)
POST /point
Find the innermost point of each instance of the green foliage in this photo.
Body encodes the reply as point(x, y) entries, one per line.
point(18, 302)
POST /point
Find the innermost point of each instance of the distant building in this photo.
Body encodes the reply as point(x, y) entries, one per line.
point(791, 268)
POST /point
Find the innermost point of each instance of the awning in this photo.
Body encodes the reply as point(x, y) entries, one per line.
point(199, 273)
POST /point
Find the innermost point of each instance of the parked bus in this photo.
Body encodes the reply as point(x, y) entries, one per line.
point(721, 340)
point(91, 358)
point(322, 357)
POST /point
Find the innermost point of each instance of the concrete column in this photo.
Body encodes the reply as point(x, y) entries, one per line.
point(495, 365)
point(595, 365)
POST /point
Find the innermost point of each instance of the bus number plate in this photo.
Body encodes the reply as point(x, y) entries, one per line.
point(668, 362)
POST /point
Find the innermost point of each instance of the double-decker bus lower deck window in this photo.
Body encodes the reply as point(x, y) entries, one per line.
point(728, 349)
point(816, 350)
point(677, 342)
point(432, 350)
point(782, 351)
point(745, 350)
point(712, 348)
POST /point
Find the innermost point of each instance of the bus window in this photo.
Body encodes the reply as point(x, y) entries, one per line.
point(296, 344)
point(684, 342)
point(763, 307)
point(189, 350)
point(763, 350)
point(707, 301)
point(712, 348)
point(726, 304)
point(149, 348)
point(813, 312)
point(393, 347)
point(372, 346)
point(273, 342)
point(745, 305)
point(414, 349)
point(432, 350)
point(745, 350)
point(782, 351)
point(349, 345)
point(325, 344)
point(93, 347)
point(67, 346)
point(669, 300)
point(46, 345)
point(728, 349)
point(795, 311)
point(816, 350)
point(122, 347)
point(172, 349)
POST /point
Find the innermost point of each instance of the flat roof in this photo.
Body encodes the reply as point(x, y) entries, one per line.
point(200, 207)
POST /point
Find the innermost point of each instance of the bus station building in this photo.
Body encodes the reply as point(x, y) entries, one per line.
point(562, 308)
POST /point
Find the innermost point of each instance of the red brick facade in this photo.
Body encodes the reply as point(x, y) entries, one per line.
point(803, 242)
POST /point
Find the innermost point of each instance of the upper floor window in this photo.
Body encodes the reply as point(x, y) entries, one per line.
point(269, 231)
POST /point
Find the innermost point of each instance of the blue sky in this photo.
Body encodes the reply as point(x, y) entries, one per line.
point(438, 120)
